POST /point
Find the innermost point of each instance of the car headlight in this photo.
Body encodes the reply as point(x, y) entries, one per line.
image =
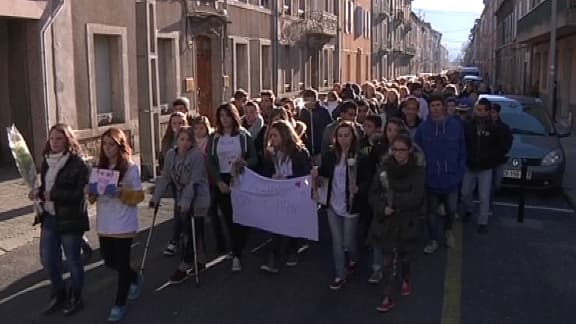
point(553, 158)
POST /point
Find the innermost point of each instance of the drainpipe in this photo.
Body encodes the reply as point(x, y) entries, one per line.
point(55, 10)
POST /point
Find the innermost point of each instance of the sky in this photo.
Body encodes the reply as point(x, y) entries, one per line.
point(453, 18)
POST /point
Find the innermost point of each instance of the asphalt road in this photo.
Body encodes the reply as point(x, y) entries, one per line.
point(518, 273)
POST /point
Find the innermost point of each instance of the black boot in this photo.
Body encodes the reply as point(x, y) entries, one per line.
point(74, 305)
point(57, 301)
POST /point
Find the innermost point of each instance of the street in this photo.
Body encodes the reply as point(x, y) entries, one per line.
point(519, 273)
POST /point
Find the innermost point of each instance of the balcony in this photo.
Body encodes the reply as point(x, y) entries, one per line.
point(205, 8)
point(398, 18)
point(410, 51)
point(535, 26)
point(380, 10)
point(408, 26)
point(29, 9)
point(320, 24)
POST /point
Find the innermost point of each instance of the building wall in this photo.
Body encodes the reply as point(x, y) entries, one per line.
point(356, 41)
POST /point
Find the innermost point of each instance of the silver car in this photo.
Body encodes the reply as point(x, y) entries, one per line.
point(536, 142)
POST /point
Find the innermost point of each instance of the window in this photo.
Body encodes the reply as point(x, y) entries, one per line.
point(287, 70)
point(107, 75)
point(523, 118)
point(287, 9)
point(241, 66)
point(266, 67)
point(168, 68)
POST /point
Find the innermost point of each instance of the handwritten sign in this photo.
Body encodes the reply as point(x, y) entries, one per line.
point(283, 207)
point(104, 177)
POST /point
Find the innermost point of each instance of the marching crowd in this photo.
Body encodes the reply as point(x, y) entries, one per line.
point(391, 156)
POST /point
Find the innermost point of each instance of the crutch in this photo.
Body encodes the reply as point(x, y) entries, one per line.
point(149, 239)
point(195, 252)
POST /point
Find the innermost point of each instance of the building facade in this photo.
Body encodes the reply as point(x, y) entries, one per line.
point(121, 63)
point(307, 45)
point(534, 32)
point(355, 43)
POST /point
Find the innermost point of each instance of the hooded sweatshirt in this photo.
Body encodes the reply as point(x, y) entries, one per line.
point(444, 145)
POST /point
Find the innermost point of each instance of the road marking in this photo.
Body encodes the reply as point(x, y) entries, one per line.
point(453, 280)
point(208, 266)
point(262, 245)
point(545, 208)
point(45, 283)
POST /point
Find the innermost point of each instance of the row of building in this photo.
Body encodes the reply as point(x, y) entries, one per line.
point(92, 64)
point(510, 43)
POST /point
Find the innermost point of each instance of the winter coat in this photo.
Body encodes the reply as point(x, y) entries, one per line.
point(190, 181)
point(485, 148)
point(315, 120)
point(505, 140)
point(404, 191)
point(444, 146)
point(363, 178)
point(68, 196)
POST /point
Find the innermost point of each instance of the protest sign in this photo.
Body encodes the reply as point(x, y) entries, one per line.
point(104, 177)
point(279, 206)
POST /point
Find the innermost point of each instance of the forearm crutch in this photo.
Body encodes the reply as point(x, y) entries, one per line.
point(149, 239)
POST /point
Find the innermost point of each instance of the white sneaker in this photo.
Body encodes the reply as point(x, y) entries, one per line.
point(236, 265)
point(431, 247)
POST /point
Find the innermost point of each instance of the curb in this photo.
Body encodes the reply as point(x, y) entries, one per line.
point(570, 196)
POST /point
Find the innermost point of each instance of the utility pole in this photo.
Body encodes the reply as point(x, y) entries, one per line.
point(551, 99)
point(275, 45)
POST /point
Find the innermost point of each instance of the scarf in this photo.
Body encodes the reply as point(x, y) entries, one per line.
point(55, 163)
point(398, 171)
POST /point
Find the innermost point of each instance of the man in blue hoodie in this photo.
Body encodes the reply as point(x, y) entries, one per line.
point(442, 140)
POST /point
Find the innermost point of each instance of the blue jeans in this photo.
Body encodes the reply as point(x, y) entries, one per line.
point(438, 224)
point(52, 243)
point(343, 231)
point(483, 180)
point(497, 174)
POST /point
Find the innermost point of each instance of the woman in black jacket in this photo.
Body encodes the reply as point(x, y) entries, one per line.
point(397, 197)
point(348, 174)
point(64, 219)
point(285, 157)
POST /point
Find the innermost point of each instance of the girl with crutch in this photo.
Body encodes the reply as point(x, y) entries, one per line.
point(184, 168)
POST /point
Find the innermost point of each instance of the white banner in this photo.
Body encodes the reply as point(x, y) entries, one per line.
point(279, 206)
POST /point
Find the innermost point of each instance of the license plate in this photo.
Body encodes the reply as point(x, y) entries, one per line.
point(516, 174)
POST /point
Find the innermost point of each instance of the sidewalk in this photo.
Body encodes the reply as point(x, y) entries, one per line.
point(569, 186)
point(17, 213)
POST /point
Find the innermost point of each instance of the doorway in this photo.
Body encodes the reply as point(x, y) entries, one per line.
point(204, 76)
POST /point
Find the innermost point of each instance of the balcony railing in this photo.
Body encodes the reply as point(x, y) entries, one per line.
point(205, 7)
point(410, 50)
point(536, 23)
point(381, 10)
point(398, 17)
point(320, 23)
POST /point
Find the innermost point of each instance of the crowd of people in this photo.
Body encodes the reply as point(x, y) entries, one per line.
point(393, 157)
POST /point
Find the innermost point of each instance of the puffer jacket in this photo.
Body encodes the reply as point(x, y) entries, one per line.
point(403, 189)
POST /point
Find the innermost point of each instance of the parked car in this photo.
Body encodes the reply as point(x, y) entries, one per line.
point(536, 142)
point(472, 78)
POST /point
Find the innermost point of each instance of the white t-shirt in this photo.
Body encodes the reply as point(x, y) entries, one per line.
point(228, 151)
point(282, 166)
point(114, 217)
point(338, 196)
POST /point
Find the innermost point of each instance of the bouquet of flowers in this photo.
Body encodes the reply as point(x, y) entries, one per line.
point(22, 156)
